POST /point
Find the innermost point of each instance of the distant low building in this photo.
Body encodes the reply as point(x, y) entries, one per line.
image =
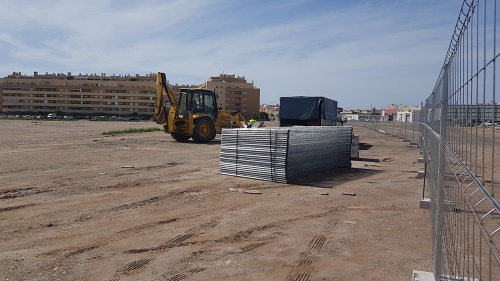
point(272, 111)
point(388, 114)
point(400, 113)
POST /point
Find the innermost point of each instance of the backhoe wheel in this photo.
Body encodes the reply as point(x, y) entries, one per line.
point(204, 130)
point(179, 138)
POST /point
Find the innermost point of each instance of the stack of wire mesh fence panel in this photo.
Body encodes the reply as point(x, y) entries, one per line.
point(258, 153)
point(284, 154)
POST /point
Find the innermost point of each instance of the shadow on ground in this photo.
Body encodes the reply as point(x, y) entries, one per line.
point(361, 159)
point(364, 146)
point(332, 178)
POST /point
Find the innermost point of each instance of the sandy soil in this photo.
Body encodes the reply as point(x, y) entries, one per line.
point(76, 205)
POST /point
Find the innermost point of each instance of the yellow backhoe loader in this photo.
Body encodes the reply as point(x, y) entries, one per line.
point(194, 115)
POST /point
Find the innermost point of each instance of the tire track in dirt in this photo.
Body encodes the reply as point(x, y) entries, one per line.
point(181, 240)
point(145, 226)
point(22, 192)
point(67, 260)
point(161, 166)
point(186, 274)
point(180, 268)
point(122, 234)
point(248, 232)
point(5, 209)
point(129, 268)
point(133, 266)
point(305, 267)
point(169, 244)
point(150, 200)
point(138, 203)
point(71, 252)
point(247, 248)
point(81, 251)
point(190, 265)
point(186, 267)
point(200, 261)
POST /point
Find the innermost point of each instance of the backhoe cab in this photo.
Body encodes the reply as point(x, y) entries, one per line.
point(193, 114)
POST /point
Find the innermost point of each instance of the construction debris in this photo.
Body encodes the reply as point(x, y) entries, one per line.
point(349, 193)
point(252, 191)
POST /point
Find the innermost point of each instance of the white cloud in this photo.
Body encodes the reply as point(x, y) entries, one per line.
point(361, 55)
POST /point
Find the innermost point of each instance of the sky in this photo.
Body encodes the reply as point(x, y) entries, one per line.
point(363, 54)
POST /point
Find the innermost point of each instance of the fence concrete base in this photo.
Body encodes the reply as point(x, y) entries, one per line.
point(421, 160)
point(422, 276)
point(420, 174)
point(429, 276)
point(425, 203)
point(449, 206)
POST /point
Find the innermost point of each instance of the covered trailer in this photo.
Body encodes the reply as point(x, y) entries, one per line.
point(307, 111)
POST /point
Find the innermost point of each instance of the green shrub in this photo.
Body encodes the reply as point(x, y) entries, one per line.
point(131, 131)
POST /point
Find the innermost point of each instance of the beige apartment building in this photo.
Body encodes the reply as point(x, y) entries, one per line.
point(1, 97)
point(121, 95)
point(81, 94)
point(235, 93)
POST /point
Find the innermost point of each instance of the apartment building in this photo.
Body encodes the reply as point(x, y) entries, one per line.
point(235, 93)
point(82, 94)
point(120, 95)
point(1, 97)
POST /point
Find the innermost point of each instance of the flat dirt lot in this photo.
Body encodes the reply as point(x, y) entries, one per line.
point(77, 205)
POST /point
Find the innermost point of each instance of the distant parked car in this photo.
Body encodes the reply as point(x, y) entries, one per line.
point(490, 123)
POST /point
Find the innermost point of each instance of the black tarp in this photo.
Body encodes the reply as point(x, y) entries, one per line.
point(330, 109)
point(301, 110)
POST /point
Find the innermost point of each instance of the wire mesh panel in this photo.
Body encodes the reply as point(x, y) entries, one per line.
point(284, 154)
point(459, 127)
point(458, 137)
point(254, 153)
point(409, 131)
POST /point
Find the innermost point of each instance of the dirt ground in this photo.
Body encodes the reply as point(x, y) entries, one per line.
point(77, 205)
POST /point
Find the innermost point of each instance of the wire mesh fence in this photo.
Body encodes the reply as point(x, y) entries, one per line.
point(408, 131)
point(458, 129)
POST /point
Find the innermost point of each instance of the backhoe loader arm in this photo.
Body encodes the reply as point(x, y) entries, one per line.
point(162, 90)
point(228, 119)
